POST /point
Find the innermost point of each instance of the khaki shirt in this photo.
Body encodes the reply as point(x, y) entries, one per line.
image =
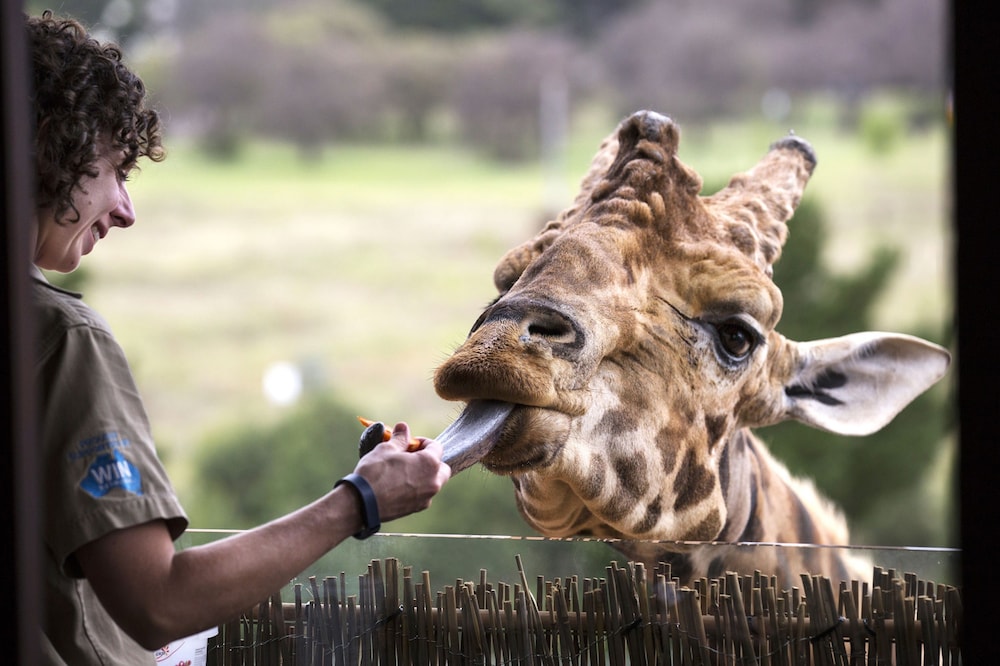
point(101, 471)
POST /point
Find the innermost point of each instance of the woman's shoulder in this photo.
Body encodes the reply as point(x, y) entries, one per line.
point(56, 305)
point(59, 312)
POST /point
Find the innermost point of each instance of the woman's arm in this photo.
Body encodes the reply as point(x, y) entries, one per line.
point(157, 594)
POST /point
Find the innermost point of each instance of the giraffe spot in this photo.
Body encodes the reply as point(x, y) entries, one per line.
point(653, 512)
point(632, 480)
point(593, 481)
point(715, 426)
point(666, 440)
point(754, 529)
point(724, 470)
point(615, 423)
point(632, 476)
point(693, 483)
point(668, 456)
point(707, 529)
point(619, 505)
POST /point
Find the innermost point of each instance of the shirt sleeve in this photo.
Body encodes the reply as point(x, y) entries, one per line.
point(102, 472)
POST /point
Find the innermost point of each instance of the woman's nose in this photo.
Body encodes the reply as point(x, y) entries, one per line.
point(123, 214)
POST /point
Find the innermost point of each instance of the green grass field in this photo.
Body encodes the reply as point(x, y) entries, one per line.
point(369, 265)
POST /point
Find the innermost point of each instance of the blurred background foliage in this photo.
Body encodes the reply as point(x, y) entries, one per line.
point(508, 92)
point(318, 73)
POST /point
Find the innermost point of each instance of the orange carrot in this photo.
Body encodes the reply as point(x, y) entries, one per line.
point(413, 445)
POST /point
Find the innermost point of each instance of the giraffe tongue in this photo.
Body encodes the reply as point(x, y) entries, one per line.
point(474, 433)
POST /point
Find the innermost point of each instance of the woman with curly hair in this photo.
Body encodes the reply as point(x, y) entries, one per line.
point(116, 587)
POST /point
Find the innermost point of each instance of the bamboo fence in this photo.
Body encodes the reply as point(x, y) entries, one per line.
point(624, 617)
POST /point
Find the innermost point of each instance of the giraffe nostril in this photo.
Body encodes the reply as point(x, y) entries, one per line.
point(548, 326)
point(537, 323)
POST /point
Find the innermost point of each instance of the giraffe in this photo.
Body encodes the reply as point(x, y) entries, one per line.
point(632, 347)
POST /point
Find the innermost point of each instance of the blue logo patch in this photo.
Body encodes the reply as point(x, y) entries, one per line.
point(109, 471)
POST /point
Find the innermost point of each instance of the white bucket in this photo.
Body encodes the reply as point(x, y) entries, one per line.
point(190, 651)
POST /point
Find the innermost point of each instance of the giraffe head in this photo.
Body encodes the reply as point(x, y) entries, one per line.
point(635, 337)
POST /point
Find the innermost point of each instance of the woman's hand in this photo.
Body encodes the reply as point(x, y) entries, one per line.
point(404, 476)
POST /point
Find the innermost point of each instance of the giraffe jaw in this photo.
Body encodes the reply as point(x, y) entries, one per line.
point(531, 438)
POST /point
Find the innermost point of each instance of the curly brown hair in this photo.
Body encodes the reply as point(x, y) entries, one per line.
point(84, 98)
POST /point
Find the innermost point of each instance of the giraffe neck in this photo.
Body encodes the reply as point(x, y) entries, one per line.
point(765, 505)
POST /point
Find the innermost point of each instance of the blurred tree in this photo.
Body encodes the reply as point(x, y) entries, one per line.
point(692, 60)
point(864, 476)
point(255, 471)
point(314, 73)
point(190, 14)
point(587, 18)
point(309, 73)
point(419, 73)
point(215, 81)
point(679, 59)
point(450, 16)
point(499, 88)
point(119, 20)
point(882, 124)
point(894, 44)
point(718, 57)
point(582, 17)
point(314, 95)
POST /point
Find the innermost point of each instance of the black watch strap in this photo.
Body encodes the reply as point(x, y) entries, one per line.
point(369, 505)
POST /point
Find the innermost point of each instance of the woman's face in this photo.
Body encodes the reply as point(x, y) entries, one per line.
point(102, 202)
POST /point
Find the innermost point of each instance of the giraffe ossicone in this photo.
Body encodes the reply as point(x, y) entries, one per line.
point(633, 344)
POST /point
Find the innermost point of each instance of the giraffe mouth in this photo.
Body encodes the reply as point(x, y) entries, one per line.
point(474, 434)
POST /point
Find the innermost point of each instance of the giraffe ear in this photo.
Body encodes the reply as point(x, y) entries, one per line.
point(856, 384)
point(760, 201)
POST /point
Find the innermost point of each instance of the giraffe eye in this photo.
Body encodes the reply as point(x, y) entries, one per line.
point(736, 339)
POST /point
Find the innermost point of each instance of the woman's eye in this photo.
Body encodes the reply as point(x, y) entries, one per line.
point(736, 340)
